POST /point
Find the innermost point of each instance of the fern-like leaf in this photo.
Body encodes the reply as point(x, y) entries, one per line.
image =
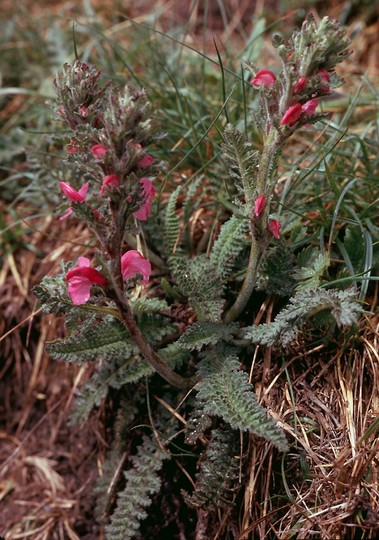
point(341, 305)
point(200, 334)
point(228, 246)
point(242, 160)
point(142, 481)
point(226, 392)
point(198, 281)
point(219, 471)
point(116, 374)
point(172, 223)
point(107, 340)
point(276, 272)
point(312, 265)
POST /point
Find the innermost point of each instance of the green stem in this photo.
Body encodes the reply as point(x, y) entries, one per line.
point(248, 283)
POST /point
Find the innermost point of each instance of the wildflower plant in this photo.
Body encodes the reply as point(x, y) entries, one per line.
point(115, 304)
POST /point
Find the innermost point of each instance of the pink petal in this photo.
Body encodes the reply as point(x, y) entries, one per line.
point(292, 115)
point(133, 263)
point(99, 151)
point(111, 180)
point(79, 289)
point(83, 191)
point(146, 161)
point(83, 261)
point(300, 85)
point(265, 78)
point(71, 193)
point(309, 107)
point(259, 205)
point(66, 214)
point(274, 228)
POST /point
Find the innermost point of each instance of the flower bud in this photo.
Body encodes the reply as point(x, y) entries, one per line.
point(300, 85)
point(259, 205)
point(309, 107)
point(274, 228)
point(72, 147)
point(292, 115)
point(99, 151)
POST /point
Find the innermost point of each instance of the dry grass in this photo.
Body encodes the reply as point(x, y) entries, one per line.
point(328, 401)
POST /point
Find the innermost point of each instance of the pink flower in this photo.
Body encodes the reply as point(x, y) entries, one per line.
point(274, 228)
point(309, 107)
point(300, 85)
point(83, 110)
point(134, 264)
point(99, 151)
point(292, 115)
point(265, 78)
point(72, 147)
point(146, 160)
point(71, 193)
point(80, 279)
point(148, 193)
point(259, 205)
point(110, 181)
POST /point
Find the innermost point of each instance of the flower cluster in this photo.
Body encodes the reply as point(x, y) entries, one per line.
point(289, 99)
point(83, 276)
point(110, 131)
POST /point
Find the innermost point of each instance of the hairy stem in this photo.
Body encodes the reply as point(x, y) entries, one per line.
point(248, 283)
point(145, 349)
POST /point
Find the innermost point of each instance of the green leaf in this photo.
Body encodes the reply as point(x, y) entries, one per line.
point(142, 481)
point(305, 304)
point(228, 246)
point(172, 223)
point(196, 279)
point(218, 474)
point(200, 334)
point(106, 340)
point(226, 392)
point(312, 265)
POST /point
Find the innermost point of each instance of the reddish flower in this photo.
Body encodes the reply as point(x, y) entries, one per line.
point(72, 147)
point(259, 205)
point(309, 107)
point(134, 264)
point(148, 193)
point(83, 110)
point(99, 151)
point(292, 115)
point(71, 193)
point(265, 78)
point(146, 160)
point(274, 228)
point(80, 279)
point(111, 180)
point(300, 85)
